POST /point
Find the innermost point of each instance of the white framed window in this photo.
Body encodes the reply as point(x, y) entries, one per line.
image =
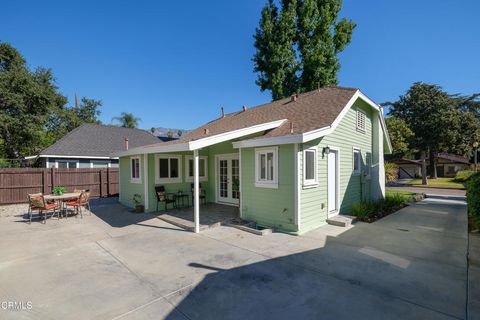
point(266, 167)
point(202, 168)
point(99, 164)
point(135, 173)
point(168, 168)
point(70, 164)
point(357, 161)
point(368, 164)
point(361, 120)
point(310, 167)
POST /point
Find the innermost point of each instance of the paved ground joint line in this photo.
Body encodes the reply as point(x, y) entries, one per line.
point(337, 278)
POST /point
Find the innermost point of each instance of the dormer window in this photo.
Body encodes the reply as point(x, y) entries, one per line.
point(360, 121)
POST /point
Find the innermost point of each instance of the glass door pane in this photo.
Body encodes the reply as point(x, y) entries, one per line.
point(223, 173)
point(235, 179)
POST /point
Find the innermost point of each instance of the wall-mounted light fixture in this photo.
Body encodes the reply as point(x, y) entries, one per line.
point(325, 151)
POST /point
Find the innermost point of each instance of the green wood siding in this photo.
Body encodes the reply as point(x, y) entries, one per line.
point(313, 201)
point(270, 207)
point(127, 188)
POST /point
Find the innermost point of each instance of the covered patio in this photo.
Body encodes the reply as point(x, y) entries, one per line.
point(213, 215)
point(201, 165)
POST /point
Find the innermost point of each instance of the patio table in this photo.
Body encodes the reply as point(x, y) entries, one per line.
point(180, 200)
point(60, 198)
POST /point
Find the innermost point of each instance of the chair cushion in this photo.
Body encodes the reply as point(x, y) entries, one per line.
point(37, 201)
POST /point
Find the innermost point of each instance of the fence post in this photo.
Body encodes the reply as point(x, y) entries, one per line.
point(101, 182)
point(45, 181)
point(108, 182)
point(52, 173)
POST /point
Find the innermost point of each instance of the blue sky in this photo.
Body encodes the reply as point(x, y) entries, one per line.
point(175, 63)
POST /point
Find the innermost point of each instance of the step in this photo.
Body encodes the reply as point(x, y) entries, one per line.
point(342, 220)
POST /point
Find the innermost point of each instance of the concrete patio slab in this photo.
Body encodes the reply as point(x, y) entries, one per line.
point(119, 265)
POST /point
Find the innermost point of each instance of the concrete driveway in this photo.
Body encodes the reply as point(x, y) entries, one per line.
point(118, 265)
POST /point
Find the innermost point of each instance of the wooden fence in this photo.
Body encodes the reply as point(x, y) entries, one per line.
point(16, 184)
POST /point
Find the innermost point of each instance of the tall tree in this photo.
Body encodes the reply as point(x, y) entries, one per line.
point(297, 45)
point(276, 59)
point(127, 120)
point(27, 98)
point(440, 122)
point(400, 135)
point(66, 119)
point(320, 38)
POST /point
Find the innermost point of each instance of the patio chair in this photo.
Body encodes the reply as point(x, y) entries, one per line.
point(37, 203)
point(81, 202)
point(202, 194)
point(163, 196)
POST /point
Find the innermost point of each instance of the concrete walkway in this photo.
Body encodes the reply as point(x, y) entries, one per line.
point(118, 265)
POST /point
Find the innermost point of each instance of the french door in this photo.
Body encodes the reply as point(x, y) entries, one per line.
point(228, 179)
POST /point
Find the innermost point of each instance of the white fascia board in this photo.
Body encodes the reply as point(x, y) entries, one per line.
point(294, 138)
point(317, 133)
point(287, 139)
point(69, 157)
point(382, 119)
point(153, 149)
point(204, 142)
point(32, 157)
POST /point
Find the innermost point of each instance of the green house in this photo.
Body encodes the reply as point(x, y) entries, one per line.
point(289, 164)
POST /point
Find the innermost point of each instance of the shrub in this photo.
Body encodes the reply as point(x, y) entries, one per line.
point(473, 199)
point(391, 172)
point(372, 210)
point(463, 175)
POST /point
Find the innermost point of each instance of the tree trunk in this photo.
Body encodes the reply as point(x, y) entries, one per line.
point(424, 168)
point(433, 165)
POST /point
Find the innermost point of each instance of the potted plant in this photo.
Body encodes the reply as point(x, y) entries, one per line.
point(58, 191)
point(139, 207)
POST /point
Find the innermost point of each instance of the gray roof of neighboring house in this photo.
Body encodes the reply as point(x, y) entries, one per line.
point(98, 140)
point(309, 111)
point(453, 158)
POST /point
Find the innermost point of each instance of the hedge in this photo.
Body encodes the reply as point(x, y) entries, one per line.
point(473, 199)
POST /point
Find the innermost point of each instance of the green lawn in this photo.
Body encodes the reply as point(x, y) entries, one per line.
point(437, 183)
point(401, 192)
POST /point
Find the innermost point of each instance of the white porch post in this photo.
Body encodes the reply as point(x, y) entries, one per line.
point(196, 193)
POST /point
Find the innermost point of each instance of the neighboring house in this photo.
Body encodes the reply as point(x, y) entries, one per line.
point(289, 164)
point(447, 166)
point(409, 169)
point(90, 146)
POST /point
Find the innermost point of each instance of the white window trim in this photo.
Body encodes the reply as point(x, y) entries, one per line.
point(187, 168)
point(364, 121)
point(359, 171)
point(76, 161)
point(262, 183)
point(310, 182)
point(159, 180)
point(139, 179)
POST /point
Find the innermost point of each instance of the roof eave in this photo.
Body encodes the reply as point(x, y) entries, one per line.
point(204, 142)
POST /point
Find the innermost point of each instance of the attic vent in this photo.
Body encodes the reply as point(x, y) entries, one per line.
point(291, 127)
point(223, 112)
point(244, 108)
point(360, 120)
point(125, 143)
point(206, 131)
point(294, 97)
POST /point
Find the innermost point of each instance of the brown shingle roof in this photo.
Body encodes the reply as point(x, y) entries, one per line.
point(311, 110)
point(98, 140)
